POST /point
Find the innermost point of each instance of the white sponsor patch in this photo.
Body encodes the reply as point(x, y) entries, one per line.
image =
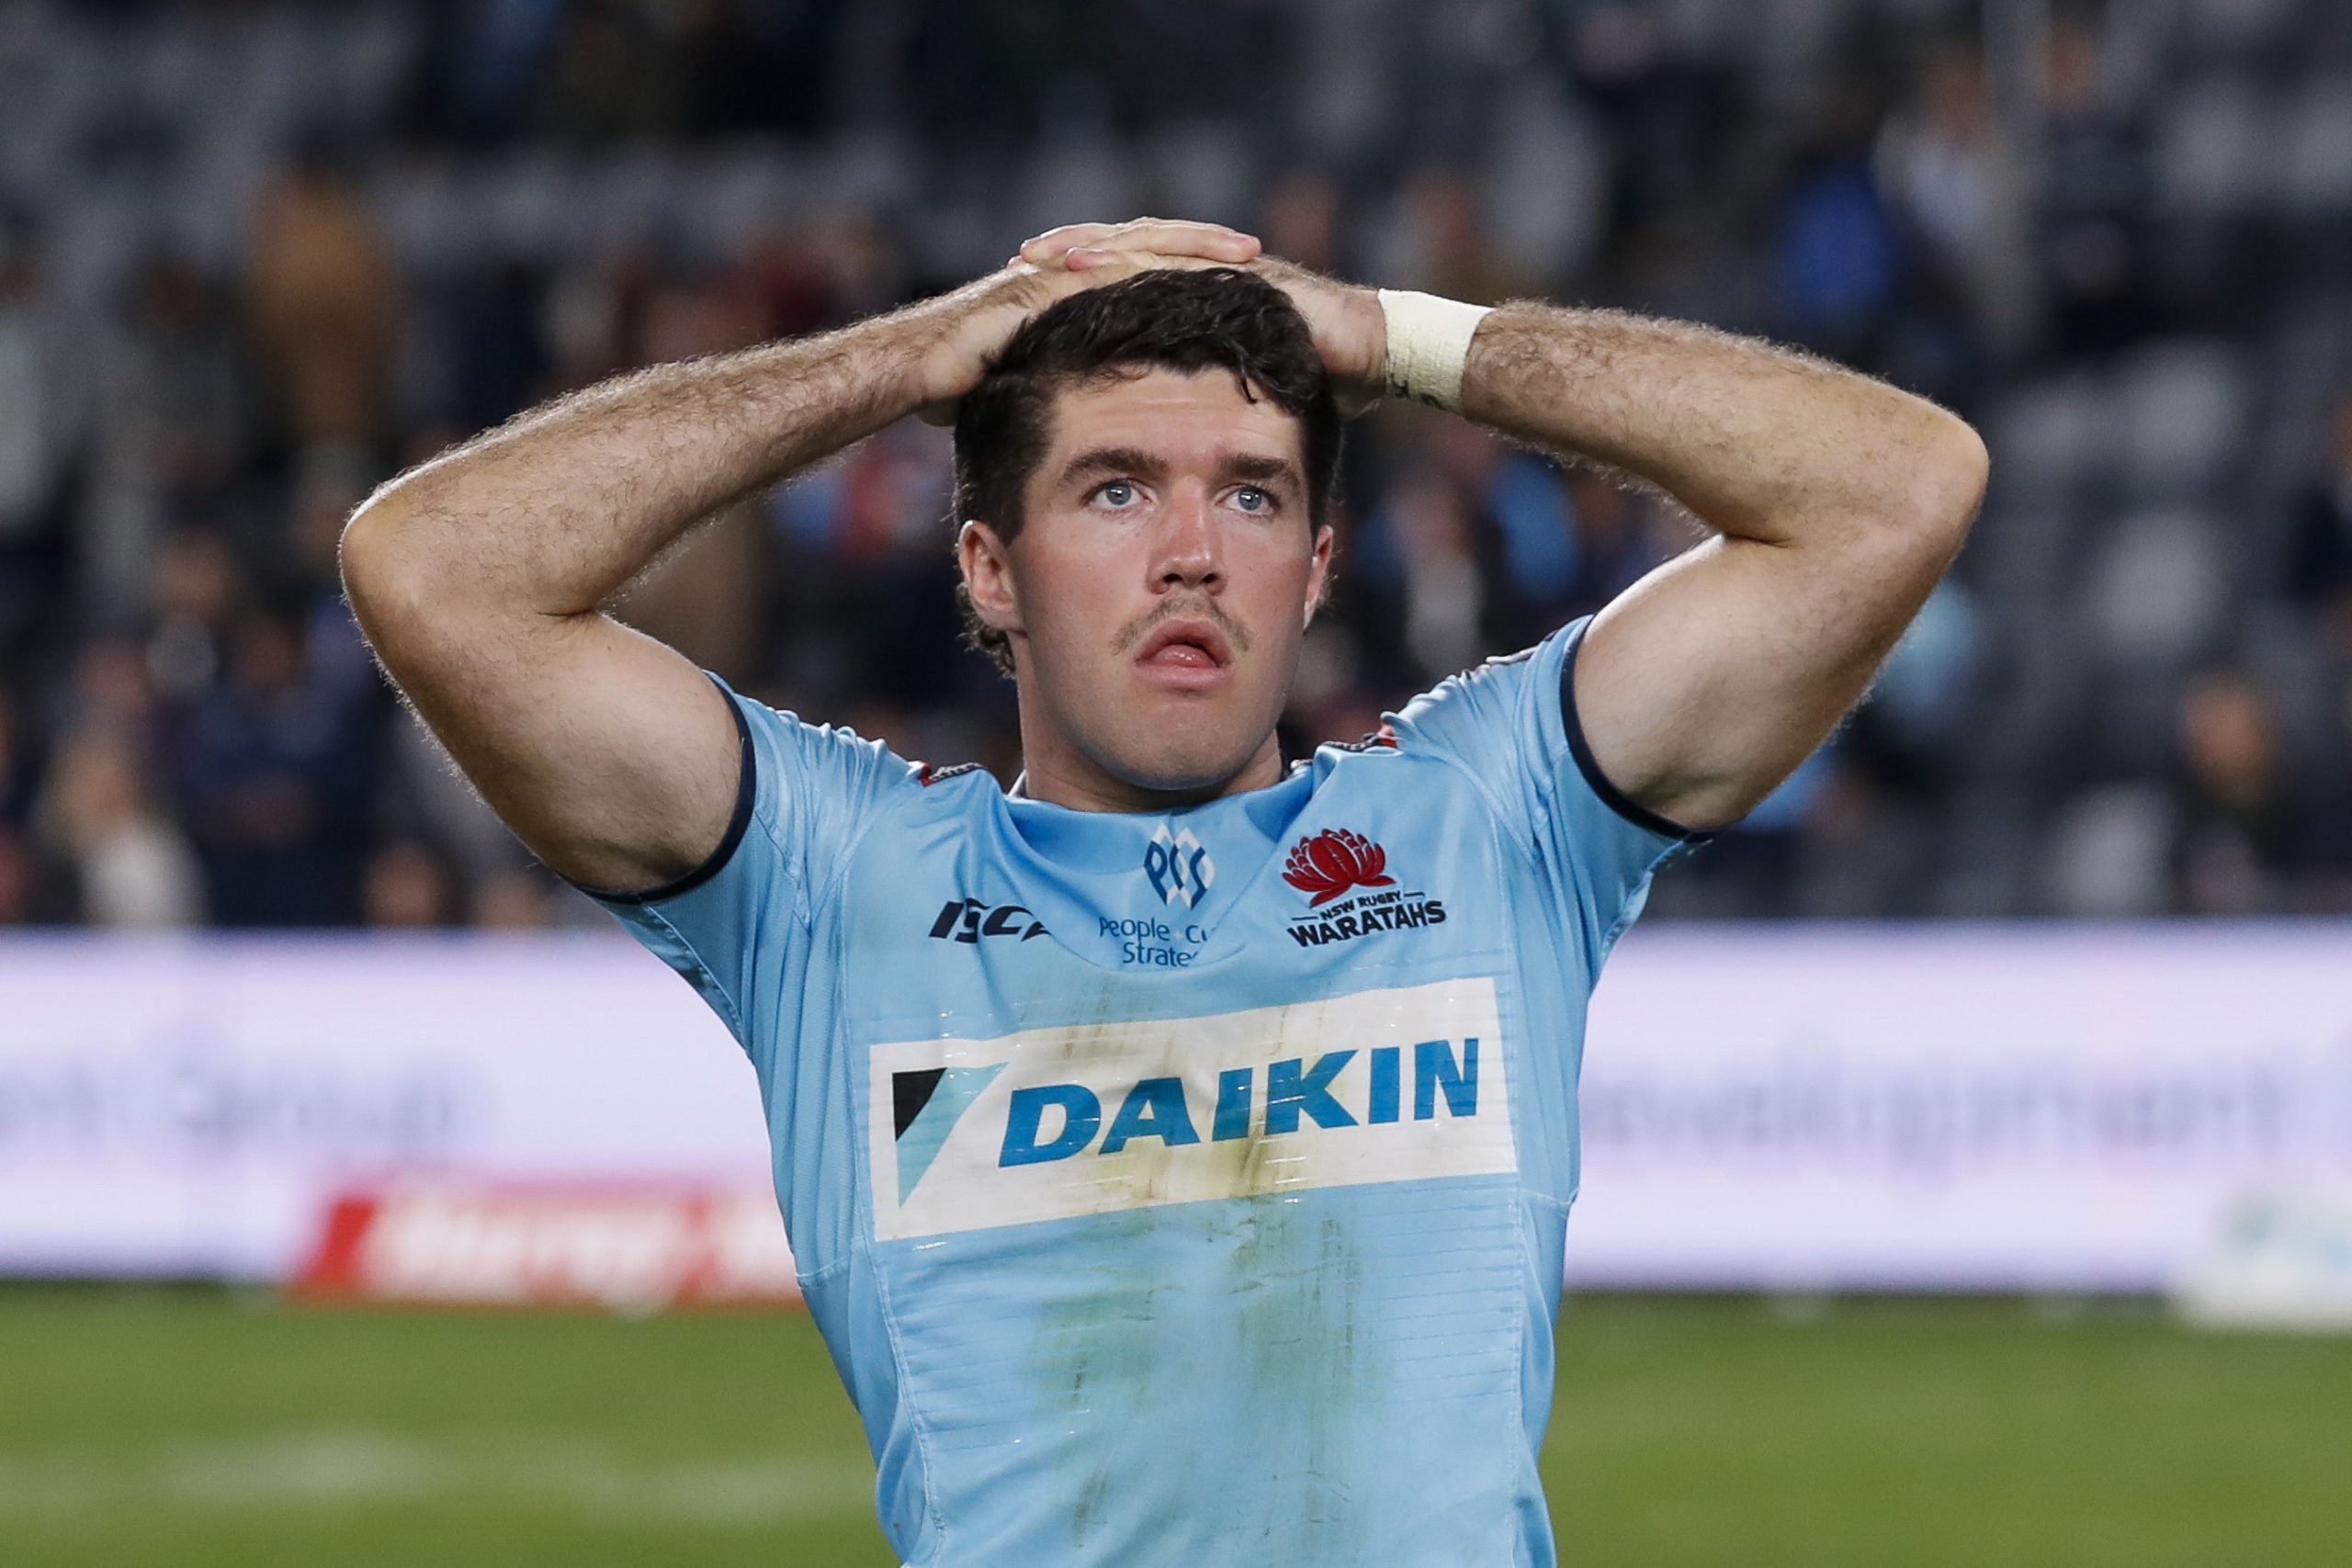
point(1379, 1086)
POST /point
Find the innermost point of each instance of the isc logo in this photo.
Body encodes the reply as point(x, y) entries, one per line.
point(969, 920)
point(1292, 1090)
point(1396, 1084)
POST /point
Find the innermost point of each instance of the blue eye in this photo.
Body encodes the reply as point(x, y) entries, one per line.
point(1250, 498)
point(1118, 493)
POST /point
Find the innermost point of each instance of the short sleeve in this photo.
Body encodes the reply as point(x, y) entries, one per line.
point(1511, 724)
point(737, 926)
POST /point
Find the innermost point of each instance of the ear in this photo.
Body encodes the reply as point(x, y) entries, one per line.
point(1319, 574)
point(987, 565)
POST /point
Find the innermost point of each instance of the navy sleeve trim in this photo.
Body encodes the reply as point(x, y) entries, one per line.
point(746, 785)
point(1632, 811)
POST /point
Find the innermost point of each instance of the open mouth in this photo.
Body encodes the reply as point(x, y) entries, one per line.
point(1185, 646)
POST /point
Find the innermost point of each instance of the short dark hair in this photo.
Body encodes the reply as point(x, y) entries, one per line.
point(1189, 321)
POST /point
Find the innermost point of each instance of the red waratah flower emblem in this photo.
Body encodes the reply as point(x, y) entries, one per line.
point(1333, 862)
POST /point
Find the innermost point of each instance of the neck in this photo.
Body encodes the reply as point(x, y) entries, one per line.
point(1056, 771)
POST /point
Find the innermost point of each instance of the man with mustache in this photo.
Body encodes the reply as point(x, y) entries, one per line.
point(1177, 1148)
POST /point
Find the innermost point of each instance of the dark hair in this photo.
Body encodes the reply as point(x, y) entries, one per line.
point(1189, 321)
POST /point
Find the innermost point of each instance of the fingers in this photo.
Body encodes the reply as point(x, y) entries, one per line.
point(996, 306)
point(1092, 267)
point(1054, 243)
point(1100, 264)
point(1210, 242)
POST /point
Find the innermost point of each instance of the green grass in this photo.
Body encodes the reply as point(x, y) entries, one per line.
point(193, 1428)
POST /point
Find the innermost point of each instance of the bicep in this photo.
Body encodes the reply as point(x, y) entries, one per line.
point(608, 753)
point(1704, 685)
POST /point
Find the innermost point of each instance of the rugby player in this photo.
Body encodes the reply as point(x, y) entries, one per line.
point(1176, 1148)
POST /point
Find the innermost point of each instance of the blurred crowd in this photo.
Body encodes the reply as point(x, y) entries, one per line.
point(256, 258)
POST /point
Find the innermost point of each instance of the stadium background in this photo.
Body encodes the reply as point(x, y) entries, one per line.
point(256, 257)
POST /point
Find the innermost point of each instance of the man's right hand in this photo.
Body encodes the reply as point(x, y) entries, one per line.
point(978, 319)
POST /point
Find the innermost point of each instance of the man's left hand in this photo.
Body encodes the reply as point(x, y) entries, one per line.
point(1350, 331)
point(1346, 321)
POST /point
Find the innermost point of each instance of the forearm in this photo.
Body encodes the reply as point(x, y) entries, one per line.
point(1758, 442)
point(556, 511)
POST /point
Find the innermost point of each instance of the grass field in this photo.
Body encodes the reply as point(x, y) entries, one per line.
point(193, 1428)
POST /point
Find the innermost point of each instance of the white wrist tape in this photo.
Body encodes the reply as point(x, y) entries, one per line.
point(1429, 342)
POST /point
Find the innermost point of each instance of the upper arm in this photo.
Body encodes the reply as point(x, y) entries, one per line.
point(609, 754)
point(740, 925)
point(1704, 685)
point(1509, 726)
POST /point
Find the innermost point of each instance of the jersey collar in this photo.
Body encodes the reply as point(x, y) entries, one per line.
point(1104, 880)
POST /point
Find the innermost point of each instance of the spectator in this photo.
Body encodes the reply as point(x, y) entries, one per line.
point(1952, 175)
point(408, 885)
point(1444, 592)
point(196, 588)
point(2319, 564)
point(273, 775)
point(131, 864)
point(2243, 824)
point(17, 776)
point(1955, 186)
point(112, 686)
point(322, 303)
point(596, 187)
point(1840, 264)
point(44, 430)
point(2094, 195)
point(175, 399)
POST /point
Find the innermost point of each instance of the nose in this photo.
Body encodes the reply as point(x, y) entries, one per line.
point(1189, 555)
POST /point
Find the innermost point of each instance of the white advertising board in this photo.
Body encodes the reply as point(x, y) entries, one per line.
point(2045, 1108)
point(2032, 1107)
point(191, 1106)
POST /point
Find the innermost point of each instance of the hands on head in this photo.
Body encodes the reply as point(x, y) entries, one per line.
point(1346, 321)
point(1078, 247)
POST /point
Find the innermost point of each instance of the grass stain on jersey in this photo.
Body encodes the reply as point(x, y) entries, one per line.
point(1297, 1278)
point(1280, 1286)
point(1093, 1356)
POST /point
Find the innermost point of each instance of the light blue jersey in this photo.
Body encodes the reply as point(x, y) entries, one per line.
point(1186, 1187)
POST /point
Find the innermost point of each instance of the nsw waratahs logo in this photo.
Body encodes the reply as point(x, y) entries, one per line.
point(1335, 862)
point(1349, 891)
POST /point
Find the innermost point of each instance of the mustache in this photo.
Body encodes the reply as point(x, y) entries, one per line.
point(1131, 636)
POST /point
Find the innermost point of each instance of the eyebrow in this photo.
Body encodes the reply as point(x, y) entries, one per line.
point(1113, 461)
point(1117, 461)
point(1253, 465)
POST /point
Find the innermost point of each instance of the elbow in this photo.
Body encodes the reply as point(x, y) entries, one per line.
point(1929, 489)
point(363, 558)
point(1949, 484)
point(381, 579)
